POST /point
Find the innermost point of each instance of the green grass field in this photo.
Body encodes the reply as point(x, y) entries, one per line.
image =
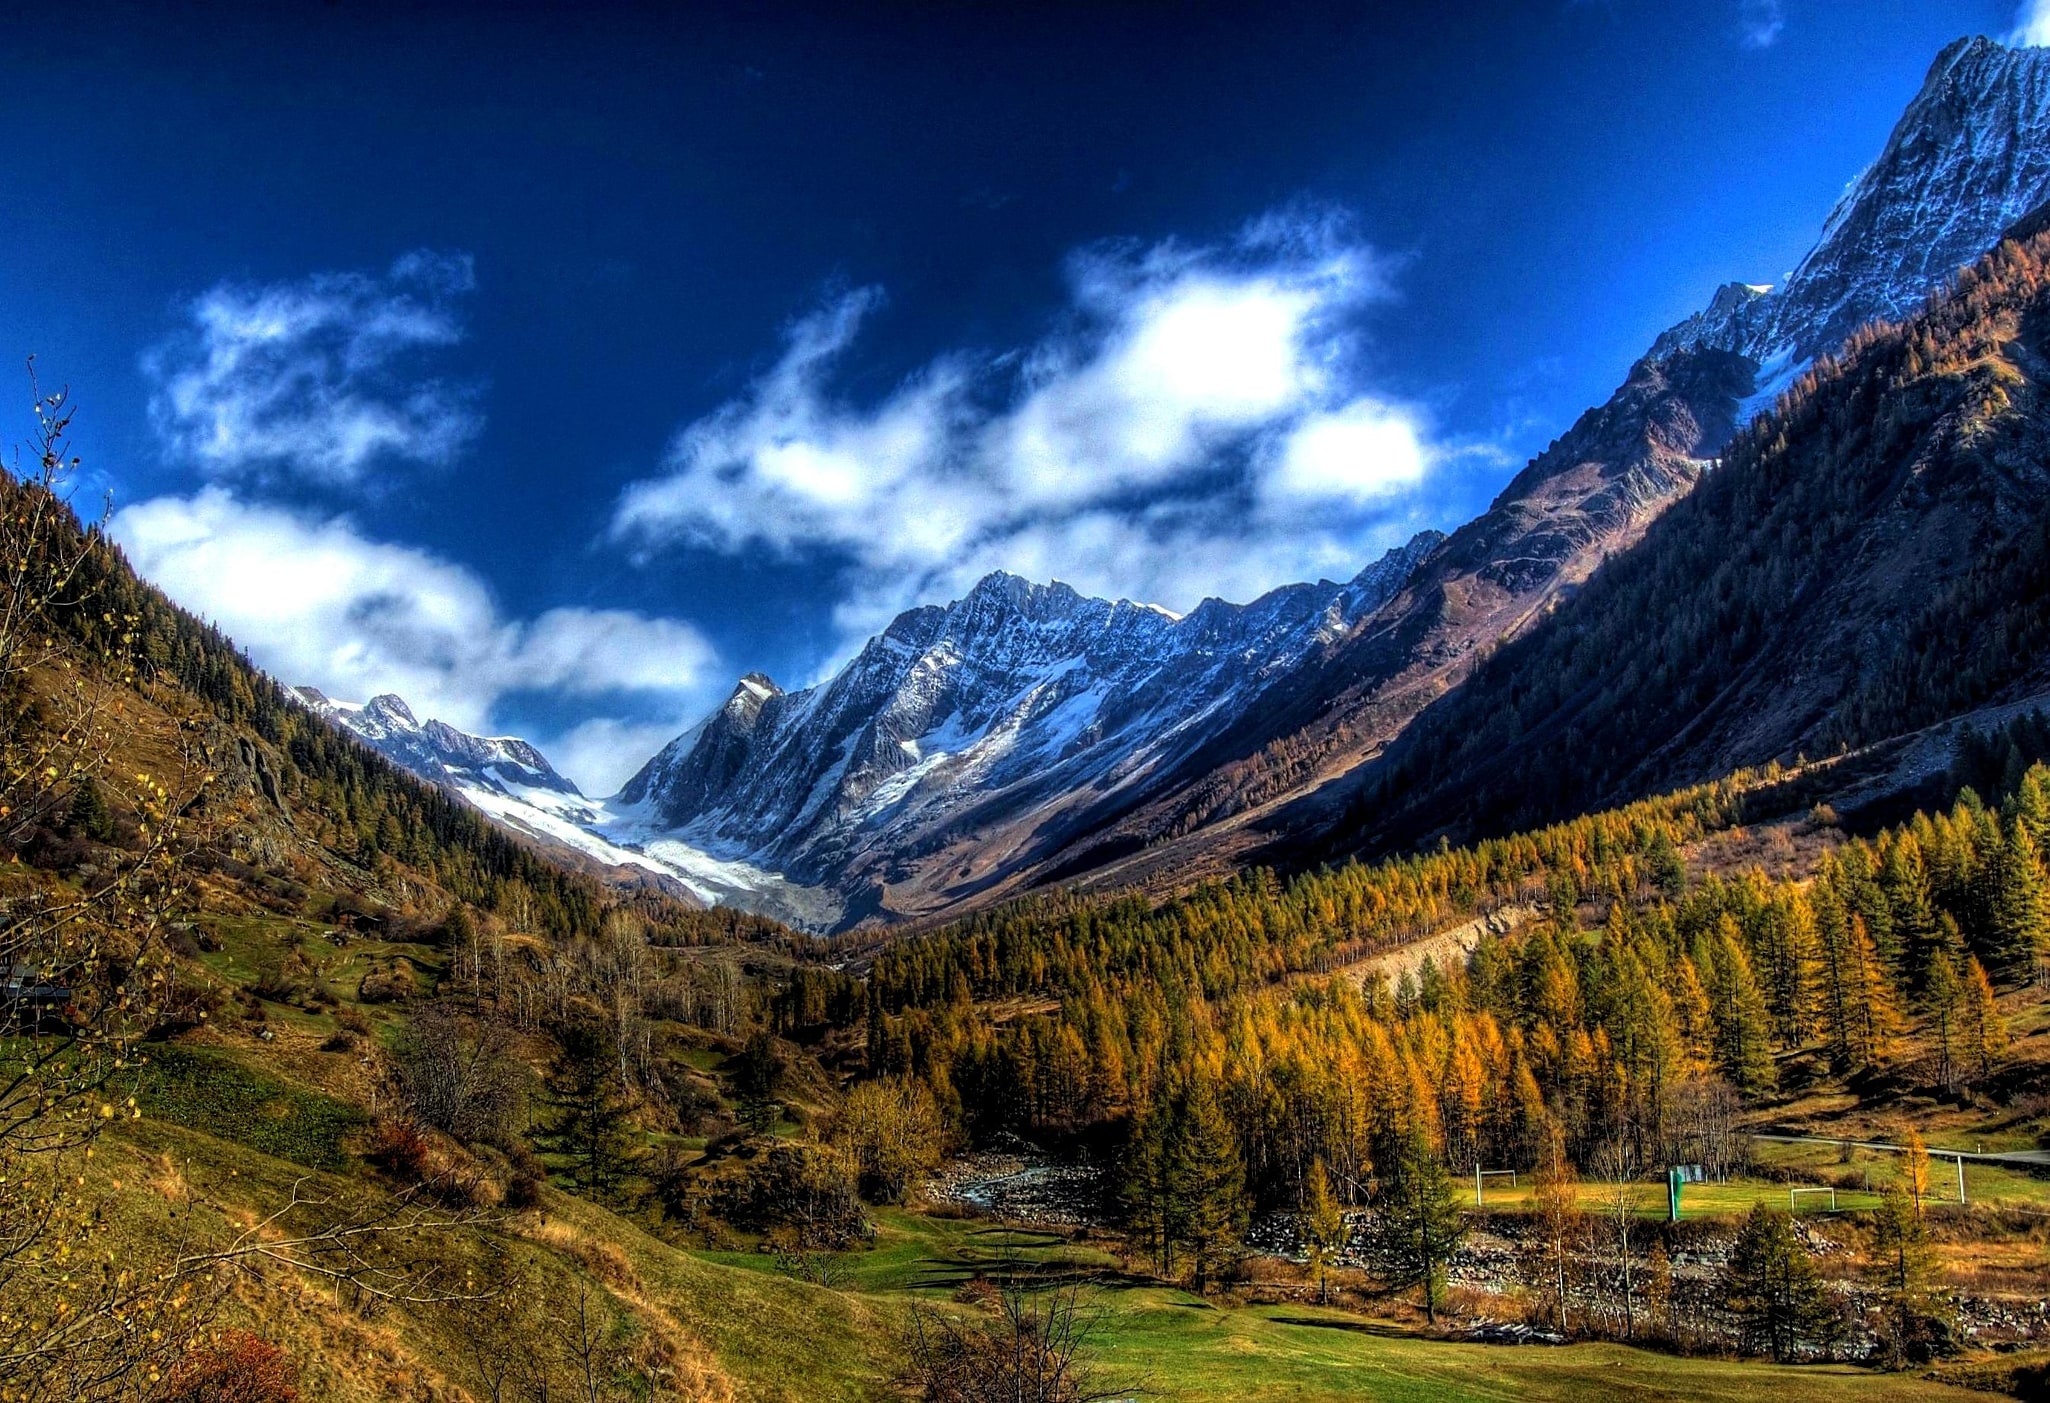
point(1991, 1184)
point(1185, 1350)
point(1696, 1200)
point(1170, 1345)
point(1858, 1180)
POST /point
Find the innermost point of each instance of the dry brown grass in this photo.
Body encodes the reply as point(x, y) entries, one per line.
point(665, 1344)
point(1787, 850)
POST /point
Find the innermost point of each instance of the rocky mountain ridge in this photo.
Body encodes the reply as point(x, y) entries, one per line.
point(437, 751)
point(1969, 156)
point(1009, 710)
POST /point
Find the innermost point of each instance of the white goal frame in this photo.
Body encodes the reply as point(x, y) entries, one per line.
point(1480, 1174)
point(1794, 1197)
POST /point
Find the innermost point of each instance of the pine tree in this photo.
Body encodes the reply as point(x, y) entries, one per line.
point(1875, 1011)
point(1184, 1180)
point(1691, 1006)
point(757, 1072)
point(1943, 997)
point(1322, 1225)
point(2029, 804)
point(1900, 1240)
point(1153, 1210)
point(1906, 885)
point(1650, 1044)
point(1742, 1048)
point(1417, 1223)
point(1668, 872)
point(594, 1110)
point(1837, 979)
point(1772, 1288)
point(1984, 1030)
point(1213, 1179)
point(1915, 1325)
point(89, 814)
point(2019, 919)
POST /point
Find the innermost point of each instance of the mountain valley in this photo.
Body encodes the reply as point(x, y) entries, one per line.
point(1618, 924)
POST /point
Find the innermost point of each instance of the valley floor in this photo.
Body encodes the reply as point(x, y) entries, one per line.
point(1167, 1344)
point(746, 1329)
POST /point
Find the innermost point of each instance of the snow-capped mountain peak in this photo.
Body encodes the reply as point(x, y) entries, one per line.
point(1008, 706)
point(1968, 157)
point(511, 781)
point(437, 750)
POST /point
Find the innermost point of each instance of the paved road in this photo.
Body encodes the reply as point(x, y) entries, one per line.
point(2039, 1159)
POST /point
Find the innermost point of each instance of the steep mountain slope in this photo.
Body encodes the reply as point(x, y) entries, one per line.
point(1589, 495)
point(1969, 155)
point(295, 803)
point(965, 742)
point(1872, 557)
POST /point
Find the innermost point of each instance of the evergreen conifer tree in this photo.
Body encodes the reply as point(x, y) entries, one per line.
point(1772, 1288)
point(89, 814)
point(1943, 1002)
point(1742, 1019)
point(1213, 1183)
point(1417, 1223)
point(594, 1109)
point(1984, 1031)
point(2019, 919)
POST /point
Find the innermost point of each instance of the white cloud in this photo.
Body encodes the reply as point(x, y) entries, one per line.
point(316, 379)
point(602, 754)
point(1759, 22)
point(315, 601)
point(1363, 452)
point(1165, 445)
point(2032, 25)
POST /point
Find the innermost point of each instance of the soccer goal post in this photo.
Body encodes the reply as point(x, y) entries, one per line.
point(1481, 1176)
point(1794, 1199)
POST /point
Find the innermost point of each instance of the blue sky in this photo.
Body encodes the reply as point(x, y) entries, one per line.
point(553, 366)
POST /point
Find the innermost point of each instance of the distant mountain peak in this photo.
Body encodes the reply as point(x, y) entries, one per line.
point(435, 750)
point(1019, 706)
point(392, 708)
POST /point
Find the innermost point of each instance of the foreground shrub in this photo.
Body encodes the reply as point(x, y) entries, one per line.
point(237, 1368)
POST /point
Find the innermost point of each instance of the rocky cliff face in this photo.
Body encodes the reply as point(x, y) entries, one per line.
point(1969, 157)
point(1006, 711)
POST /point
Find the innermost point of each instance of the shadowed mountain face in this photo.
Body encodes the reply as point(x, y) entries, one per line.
point(1587, 497)
point(1969, 156)
point(1871, 558)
